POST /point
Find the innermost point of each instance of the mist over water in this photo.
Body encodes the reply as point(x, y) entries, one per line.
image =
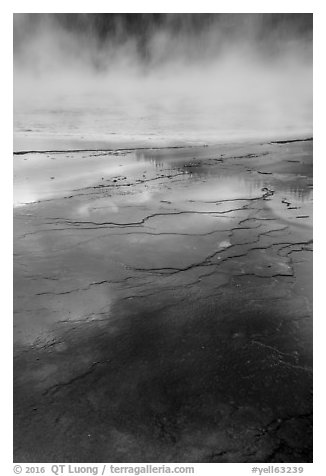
point(159, 79)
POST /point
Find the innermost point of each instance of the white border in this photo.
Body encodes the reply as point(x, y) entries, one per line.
point(161, 6)
point(283, 6)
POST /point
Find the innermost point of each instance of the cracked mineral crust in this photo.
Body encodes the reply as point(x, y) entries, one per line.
point(163, 304)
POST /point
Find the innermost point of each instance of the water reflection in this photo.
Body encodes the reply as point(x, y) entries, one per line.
point(175, 175)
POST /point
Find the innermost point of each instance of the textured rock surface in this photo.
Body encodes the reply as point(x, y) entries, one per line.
point(163, 305)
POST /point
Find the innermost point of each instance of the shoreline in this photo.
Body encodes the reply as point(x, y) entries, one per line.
point(24, 152)
point(55, 144)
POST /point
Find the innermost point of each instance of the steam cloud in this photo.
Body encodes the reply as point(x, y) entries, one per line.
point(172, 77)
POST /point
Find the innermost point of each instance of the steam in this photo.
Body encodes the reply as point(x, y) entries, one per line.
point(175, 77)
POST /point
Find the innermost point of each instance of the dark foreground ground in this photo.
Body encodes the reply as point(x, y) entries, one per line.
point(163, 305)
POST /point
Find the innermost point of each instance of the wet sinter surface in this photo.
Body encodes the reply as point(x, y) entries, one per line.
point(163, 305)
